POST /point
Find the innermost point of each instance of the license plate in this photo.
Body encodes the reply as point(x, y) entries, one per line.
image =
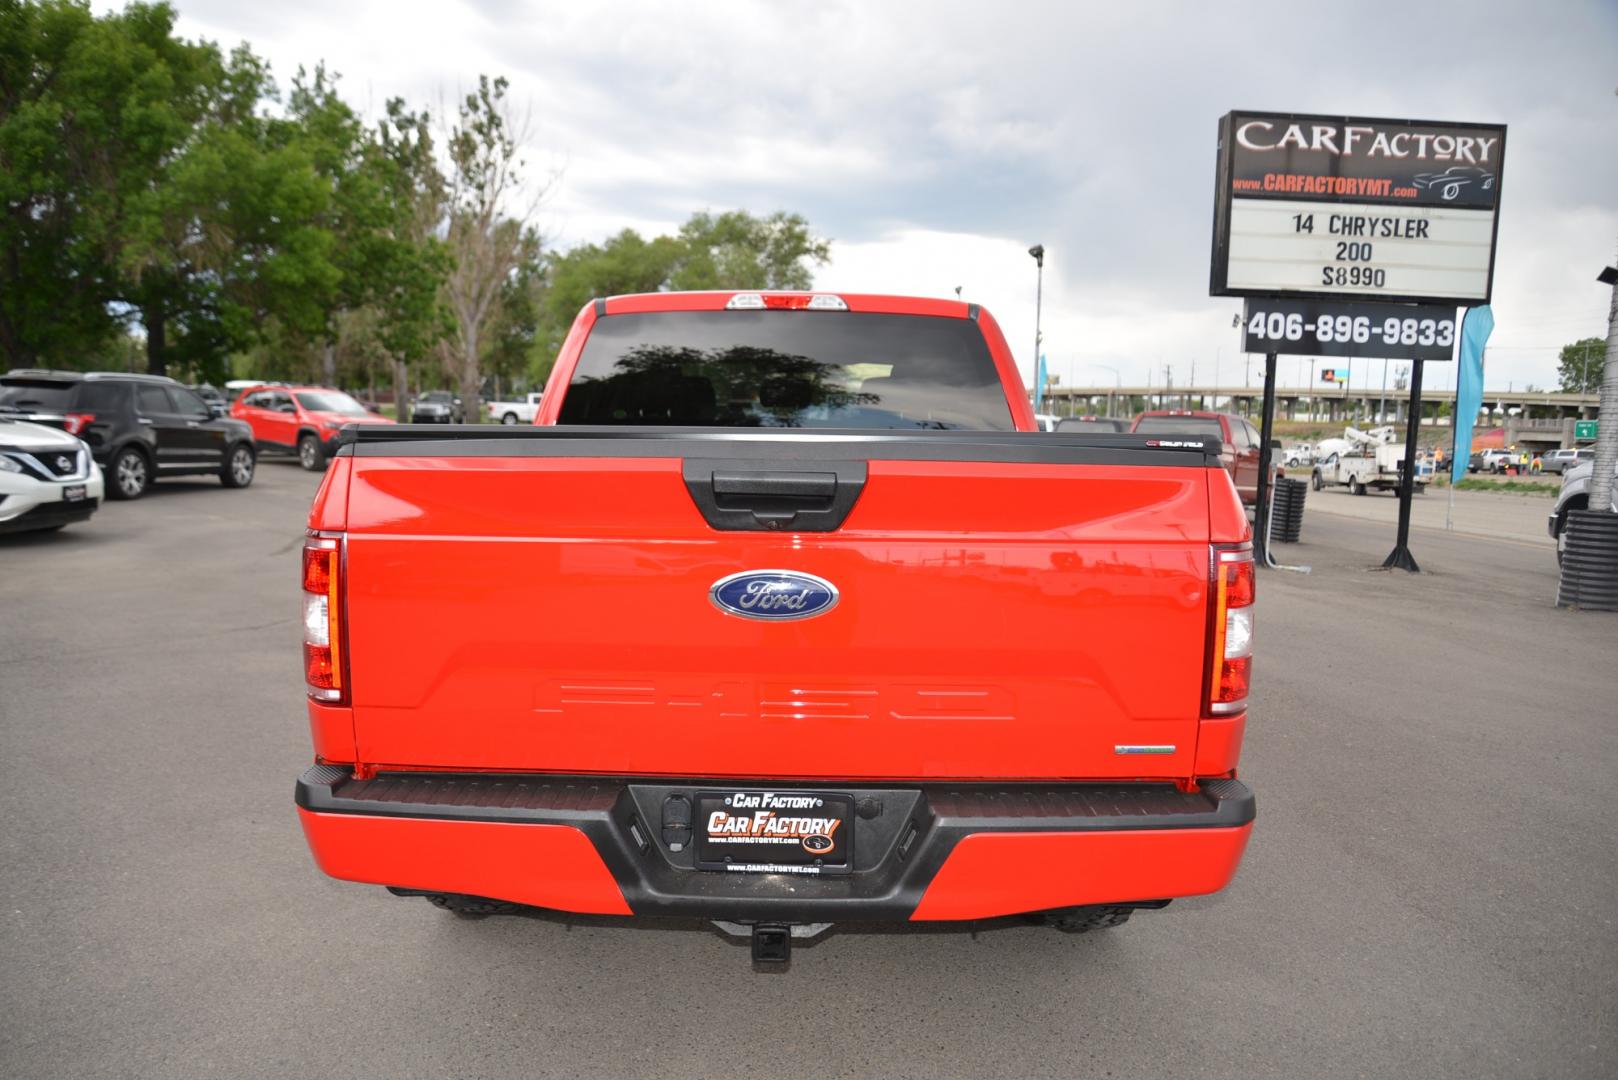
point(74, 493)
point(775, 832)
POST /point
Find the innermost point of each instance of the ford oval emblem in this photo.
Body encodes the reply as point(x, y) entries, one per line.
point(773, 595)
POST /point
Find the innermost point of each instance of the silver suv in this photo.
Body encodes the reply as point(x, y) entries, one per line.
point(1575, 495)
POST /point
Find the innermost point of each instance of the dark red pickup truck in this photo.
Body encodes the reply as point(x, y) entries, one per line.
point(783, 615)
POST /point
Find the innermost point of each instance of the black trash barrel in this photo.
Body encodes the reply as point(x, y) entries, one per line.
point(1590, 562)
point(1286, 513)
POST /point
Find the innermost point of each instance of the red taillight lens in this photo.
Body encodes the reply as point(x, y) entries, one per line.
point(1230, 665)
point(323, 618)
point(76, 422)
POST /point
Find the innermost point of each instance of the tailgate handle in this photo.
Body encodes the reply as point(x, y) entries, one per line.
point(763, 496)
point(816, 485)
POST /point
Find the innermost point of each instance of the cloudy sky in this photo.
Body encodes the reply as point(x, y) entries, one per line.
point(934, 142)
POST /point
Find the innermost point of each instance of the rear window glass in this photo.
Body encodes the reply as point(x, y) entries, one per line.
point(1179, 425)
point(37, 393)
point(795, 369)
point(103, 395)
point(331, 401)
point(1072, 424)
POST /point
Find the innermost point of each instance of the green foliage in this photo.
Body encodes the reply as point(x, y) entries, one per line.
point(144, 184)
point(1580, 366)
point(736, 250)
point(90, 111)
point(733, 250)
point(154, 196)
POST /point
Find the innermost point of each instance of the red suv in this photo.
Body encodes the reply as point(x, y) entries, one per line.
point(303, 420)
point(1241, 439)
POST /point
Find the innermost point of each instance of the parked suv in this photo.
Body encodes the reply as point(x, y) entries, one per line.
point(47, 479)
point(437, 407)
point(1241, 439)
point(138, 427)
point(302, 420)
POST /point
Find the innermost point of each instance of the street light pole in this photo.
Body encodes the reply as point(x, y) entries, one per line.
point(1117, 383)
point(1038, 252)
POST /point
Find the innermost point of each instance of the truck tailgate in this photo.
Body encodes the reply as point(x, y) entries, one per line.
point(1014, 608)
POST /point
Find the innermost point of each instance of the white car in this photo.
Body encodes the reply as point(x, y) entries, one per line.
point(47, 478)
point(513, 412)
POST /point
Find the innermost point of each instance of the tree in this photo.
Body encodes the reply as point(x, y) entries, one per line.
point(510, 337)
point(94, 113)
point(736, 250)
point(625, 263)
point(733, 250)
point(1581, 364)
point(231, 231)
point(414, 316)
point(486, 242)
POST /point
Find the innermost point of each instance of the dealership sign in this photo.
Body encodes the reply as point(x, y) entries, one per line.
point(1342, 208)
point(1348, 328)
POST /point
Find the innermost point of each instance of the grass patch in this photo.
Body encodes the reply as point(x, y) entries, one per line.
point(1520, 487)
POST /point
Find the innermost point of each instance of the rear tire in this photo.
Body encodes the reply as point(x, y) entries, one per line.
point(311, 455)
point(509, 418)
point(130, 473)
point(1317, 482)
point(238, 468)
point(1083, 920)
point(1355, 487)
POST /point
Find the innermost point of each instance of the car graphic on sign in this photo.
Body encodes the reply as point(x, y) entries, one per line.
point(1452, 180)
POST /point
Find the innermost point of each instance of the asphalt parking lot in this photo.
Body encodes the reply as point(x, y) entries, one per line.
point(1430, 890)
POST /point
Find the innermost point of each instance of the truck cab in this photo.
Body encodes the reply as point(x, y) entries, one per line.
point(1239, 441)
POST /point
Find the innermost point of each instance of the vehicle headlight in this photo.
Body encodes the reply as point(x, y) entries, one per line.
point(7, 465)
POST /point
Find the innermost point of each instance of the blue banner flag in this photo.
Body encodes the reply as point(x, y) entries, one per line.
point(1475, 331)
point(1039, 384)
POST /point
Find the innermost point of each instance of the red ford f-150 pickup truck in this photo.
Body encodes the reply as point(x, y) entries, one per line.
point(782, 614)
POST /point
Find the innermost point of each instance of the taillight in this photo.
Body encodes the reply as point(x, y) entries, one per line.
point(752, 301)
point(1230, 665)
point(323, 618)
point(76, 422)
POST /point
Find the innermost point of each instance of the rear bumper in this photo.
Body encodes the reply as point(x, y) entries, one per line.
point(594, 846)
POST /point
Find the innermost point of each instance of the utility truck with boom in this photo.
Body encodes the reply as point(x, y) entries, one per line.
point(1364, 461)
point(783, 615)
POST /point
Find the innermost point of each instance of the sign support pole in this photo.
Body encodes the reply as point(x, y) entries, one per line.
point(1400, 558)
point(1261, 512)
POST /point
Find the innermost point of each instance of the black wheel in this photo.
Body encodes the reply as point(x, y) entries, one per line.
point(1355, 487)
point(237, 471)
point(130, 473)
point(311, 455)
point(1083, 920)
point(509, 418)
point(1317, 482)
